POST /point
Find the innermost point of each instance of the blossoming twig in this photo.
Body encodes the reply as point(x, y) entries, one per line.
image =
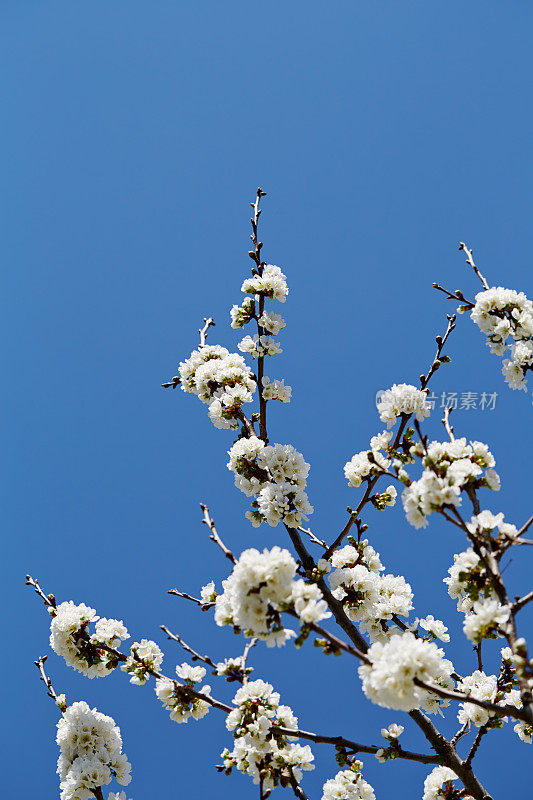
point(203, 606)
point(354, 747)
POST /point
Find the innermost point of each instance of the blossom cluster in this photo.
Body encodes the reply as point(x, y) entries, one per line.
point(269, 757)
point(438, 783)
point(261, 586)
point(276, 476)
point(144, 656)
point(402, 398)
point(369, 462)
point(389, 679)
point(91, 752)
point(221, 379)
point(506, 318)
point(368, 597)
point(348, 784)
point(70, 638)
point(449, 469)
point(272, 283)
point(177, 697)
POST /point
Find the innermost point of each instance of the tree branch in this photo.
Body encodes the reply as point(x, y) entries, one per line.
point(470, 260)
point(208, 520)
point(195, 656)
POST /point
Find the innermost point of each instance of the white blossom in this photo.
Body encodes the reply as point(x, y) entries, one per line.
point(220, 379)
point(91, 752)
point(272, 283)
point(151, 658)
point(435, 627)
point(259, 588)
point(482, 687)
point(506, 318)
point(402, 399)
point(487, 615)
point(389, 679)
point(69, 623)
point(271, 322)
point(255, 752)
point(348, 784)
point(436, 781)
point(181, 704)
point(276, 390)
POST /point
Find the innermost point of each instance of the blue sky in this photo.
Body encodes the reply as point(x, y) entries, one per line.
point(134, 137)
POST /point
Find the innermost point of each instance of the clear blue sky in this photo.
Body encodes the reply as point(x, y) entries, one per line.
point(134, 135)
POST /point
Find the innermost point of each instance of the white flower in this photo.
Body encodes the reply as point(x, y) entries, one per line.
point(392, 732)
point(524, 732)
point(272, 283)
point(348, 784)
point(255, 752)
point(482, 687)
point(504, 314)
point(435, 627)
point(402, 399)
point(486, 616)
point(433, 785)
point(208, 593)
point(182, 706)
point(261, 585)
point(91, 752)
point(68, 621)
point(188, 673)
point(389, 679)
point(151, 658)
point(276, 390)
point(220, 379)
point(271, 322)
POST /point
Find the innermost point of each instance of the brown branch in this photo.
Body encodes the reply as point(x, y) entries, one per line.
point(50, 691)
point(470, 260)
point(477, 741)
point(521, 602)
point(296, 788)
point(312, 536)
point(255, 254)
point(460, 733)
point(208, 520)
point(203, 606)
point(48, 599)
point(355, 747)
point(195, 656)
point(503, 711)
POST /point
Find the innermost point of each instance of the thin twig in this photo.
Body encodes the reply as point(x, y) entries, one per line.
point(208, 520)
point(296, 788)
point(460, 733)
point(477, 741)
point(195, 656)
point(446, 422)
point(51, 692)
point(470, 260)
point(203, 606)
point(448, 694)
point(313, 538)
point(208, 322)
point(521, 602)
point(355, 747)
